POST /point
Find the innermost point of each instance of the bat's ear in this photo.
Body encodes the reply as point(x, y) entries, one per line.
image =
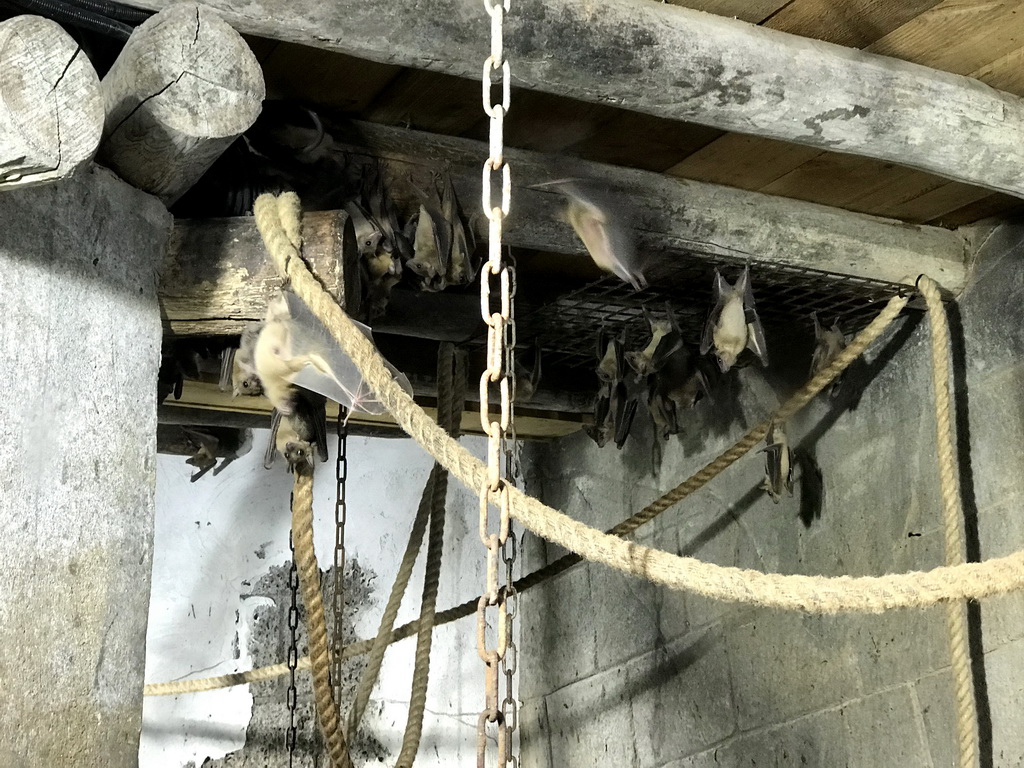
point(720, 286)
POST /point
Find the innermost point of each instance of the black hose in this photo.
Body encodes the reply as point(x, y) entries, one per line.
point(69, 14)
point(112, 10)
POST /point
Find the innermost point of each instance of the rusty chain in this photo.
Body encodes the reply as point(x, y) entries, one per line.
point(291, 742)
point(340, 518)
point(499, 372)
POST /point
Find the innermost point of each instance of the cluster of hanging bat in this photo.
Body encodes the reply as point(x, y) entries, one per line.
point(434, 246)
point(669, 375)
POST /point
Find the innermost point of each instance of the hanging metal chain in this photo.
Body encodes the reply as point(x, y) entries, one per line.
point(293, 653)
point(340, 517)
point(501, 339)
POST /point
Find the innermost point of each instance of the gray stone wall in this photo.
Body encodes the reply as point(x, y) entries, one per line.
point(618, 672)
point(80, 337)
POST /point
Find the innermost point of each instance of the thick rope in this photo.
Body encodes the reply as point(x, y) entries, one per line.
point(316, 622)
point(952, 521)
point(379, 644)
point(451, 394)
point(820, 594)
point(816, 594)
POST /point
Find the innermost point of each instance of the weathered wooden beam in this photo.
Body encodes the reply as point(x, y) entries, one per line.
point(183, 88)
point(51, 109)
point(217, 275)
point(202, 395)
point(675, 215)
point(683, 64)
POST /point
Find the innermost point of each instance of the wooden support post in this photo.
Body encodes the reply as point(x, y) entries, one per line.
point(51, 109)
point(185, 86)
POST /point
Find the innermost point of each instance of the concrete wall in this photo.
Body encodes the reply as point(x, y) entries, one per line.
point(80, 339)
point(618, 672)
point(220, 604)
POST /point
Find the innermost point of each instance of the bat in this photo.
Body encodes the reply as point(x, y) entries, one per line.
point(665, 341)
point(461, 269)
point(238, 370)
point(294, 349)
point(205, 457)
point(828, 344)
point(733, 325)
point(599, 224)
point(679, 383)
point(778, 463)
point(615, 406)
point(528, 379)
point(368, 234)
point(300, 436)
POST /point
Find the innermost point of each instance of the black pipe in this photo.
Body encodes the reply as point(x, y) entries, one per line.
point(68, 14)
point(112, 10)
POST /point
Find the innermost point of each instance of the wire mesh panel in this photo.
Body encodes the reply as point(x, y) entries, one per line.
point(568, 327)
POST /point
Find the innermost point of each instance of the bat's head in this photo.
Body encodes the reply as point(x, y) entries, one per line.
point(248, 386)
point(299, 455)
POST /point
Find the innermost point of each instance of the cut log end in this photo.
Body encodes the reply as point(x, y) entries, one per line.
point(51, 107)
point(184, 87)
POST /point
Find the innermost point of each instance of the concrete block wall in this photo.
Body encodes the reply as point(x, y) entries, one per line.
point(618, 672)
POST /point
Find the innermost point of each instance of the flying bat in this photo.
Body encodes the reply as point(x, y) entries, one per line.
point(599, 224)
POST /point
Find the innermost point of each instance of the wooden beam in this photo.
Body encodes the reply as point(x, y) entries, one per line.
point(202, 395)
point(683, 64)
point(51, 109)
point(217, 275)
point(183, 88)
point(674, 215)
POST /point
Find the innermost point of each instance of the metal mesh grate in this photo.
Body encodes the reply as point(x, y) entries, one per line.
point(785, 297)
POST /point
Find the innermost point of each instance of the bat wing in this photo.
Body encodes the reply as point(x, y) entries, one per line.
point(227, 359)
point(271, 453)
point(755, 331)
point(334, 375)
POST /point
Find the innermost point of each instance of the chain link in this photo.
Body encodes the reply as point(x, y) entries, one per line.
point(293, 653)
point(497, 310)
point(340, 517)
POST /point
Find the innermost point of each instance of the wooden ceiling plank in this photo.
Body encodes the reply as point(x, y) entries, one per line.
point(754, 11)
point(938, 202)
point(430, 102)
point(544, 122)
point(993, 205)
point(853, 23)
point(643, 141)
point(745, 162)
point(958, 36)
point(1005, 73)
point(325, 78)
point(685, 65)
